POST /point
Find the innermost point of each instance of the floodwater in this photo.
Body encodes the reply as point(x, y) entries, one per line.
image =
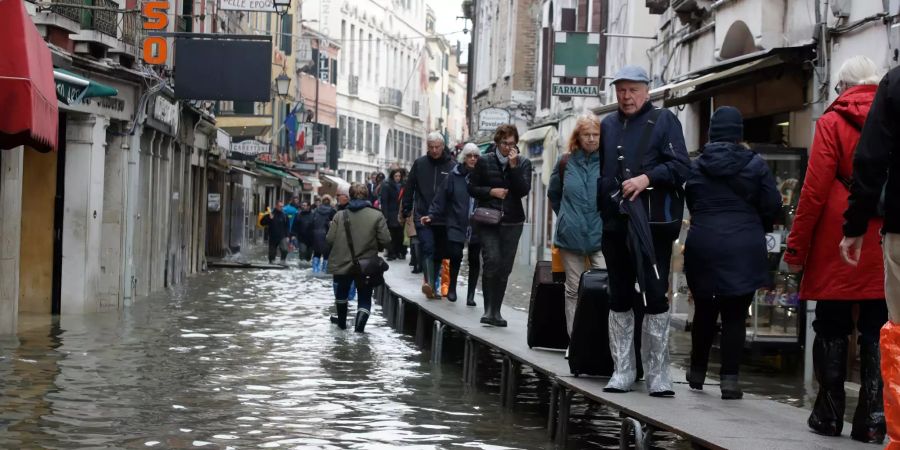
point(248, 359)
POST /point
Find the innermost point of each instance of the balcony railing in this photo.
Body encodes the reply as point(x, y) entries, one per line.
point(71, 13)
point(390, 97)
point(132, 32)
point(354, 85)
point(91, 19)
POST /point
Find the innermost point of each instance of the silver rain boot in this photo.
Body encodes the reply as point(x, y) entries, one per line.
point(655, 354)
point(621, 345)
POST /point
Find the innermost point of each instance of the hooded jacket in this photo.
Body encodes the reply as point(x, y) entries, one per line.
point(452, 203)
point(425, 177)
point(368, 230)
point(489, 174)
point(321, 220)
point(816, 231)
point(302, 227)
point(390, 202)
point(731, 194)
point(579, 228)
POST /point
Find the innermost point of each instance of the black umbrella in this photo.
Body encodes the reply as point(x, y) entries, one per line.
point(640, 241)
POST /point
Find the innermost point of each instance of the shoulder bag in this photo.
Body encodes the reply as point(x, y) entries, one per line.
point(484, 215)
point(369, 271)
point(665, 206)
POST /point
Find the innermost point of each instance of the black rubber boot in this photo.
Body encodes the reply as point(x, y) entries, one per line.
point(488, 304)
point(362, 316)
point(454, 275)
point(428, 283)
point(696, 376)
point(868, 420)
point(416, 259)
point(341, 319)
point(473, 282)
point(731, 389)
point(830, 369)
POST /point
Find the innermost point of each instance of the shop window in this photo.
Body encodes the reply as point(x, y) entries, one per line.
point(536, 148)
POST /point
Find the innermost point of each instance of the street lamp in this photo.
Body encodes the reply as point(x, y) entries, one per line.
point(282, 6)
point(283, 84)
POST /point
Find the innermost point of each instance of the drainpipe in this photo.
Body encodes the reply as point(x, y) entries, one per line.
point(821, 76)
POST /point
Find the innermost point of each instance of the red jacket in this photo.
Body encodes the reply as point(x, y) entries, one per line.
point(816, 232)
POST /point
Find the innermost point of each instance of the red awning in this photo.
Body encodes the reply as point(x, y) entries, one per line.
point(28, 108)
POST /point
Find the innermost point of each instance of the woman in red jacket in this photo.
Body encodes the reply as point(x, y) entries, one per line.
point(812, 247)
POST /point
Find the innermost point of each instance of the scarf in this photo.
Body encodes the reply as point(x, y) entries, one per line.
point(504, 160)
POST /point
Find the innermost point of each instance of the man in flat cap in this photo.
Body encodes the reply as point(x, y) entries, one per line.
point(651, 143)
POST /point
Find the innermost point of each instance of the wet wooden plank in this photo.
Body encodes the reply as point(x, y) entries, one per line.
point(243, 265)
point(700, 416)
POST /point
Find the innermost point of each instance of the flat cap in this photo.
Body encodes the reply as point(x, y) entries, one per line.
point(631, 73)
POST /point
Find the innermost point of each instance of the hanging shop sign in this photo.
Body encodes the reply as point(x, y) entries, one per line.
point(320, 153)
point(574, 90)
point(119, 106)
point(156, 48)
point(576, 54)
point(214, 202)
point(247, 5)
point(166, 112)
point(491, 118)
point(251, 147)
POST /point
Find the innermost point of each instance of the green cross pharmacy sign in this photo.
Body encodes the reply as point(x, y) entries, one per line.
point(576, 55)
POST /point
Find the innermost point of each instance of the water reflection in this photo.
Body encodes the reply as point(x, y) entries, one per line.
point(237, 359)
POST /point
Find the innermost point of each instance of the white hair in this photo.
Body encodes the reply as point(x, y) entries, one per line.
point(859, 70)
point(467, 150)
point(435, 136)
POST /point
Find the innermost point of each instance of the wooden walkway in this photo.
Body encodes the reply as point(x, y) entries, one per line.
point(701, 417)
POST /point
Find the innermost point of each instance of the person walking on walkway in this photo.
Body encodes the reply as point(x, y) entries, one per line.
point(302, 230)
point(390, 207)
point(451, 205)
point(279, 232)
point(427, 174)
point(573, 197)
point(369, 232)
point(499, 182)
point(321, 220)
point(875, 191)
point(814, 245)
point(733, 201)
point(662, 164)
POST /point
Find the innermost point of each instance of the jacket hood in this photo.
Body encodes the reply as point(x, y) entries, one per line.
point(460, 169)
point(358, 204)
point(854, 103)
point(721, 159)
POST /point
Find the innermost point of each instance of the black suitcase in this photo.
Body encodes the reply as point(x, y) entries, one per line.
point(589, 349)
point(547, 310)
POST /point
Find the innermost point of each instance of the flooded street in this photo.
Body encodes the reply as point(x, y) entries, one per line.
point(248, 359)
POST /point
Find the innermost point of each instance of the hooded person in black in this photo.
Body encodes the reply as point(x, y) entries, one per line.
point(425, 178)
point(279, 232)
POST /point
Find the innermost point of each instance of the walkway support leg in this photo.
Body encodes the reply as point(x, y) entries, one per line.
point(512, 382)
point(552, 415)
point(437, 342)
point(420, 329)
point(643, 434)
point(401, 315)
point(504, 380)
point(565, 407)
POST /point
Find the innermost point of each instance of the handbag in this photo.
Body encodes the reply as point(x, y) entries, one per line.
point(665, 206)
point(368, 271)
point(486, 216)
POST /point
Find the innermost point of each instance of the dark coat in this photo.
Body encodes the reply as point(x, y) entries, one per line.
point(302, 227)
point(390, 203)
point(876, 162)
point(278, 224)
point(489, 174)
point(816, 231)
point(452, 203)
point(321, 220)
point(425, 177)
point(731, 194)
point(665, 160)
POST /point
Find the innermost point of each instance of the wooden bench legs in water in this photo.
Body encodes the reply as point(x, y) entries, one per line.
point(470, 362)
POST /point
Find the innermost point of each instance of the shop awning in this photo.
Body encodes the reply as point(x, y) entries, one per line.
point(684, 90)
point(72, 88)
point(30, 113)
point(273, 171)
point(537, 134)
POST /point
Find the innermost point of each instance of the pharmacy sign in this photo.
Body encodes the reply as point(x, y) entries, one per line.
point(575, 90)
point(576, 55)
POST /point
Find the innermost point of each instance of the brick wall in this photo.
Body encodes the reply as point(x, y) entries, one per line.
point(528, 33)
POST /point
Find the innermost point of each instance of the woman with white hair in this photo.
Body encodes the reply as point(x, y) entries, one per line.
point(813, 248)
point(452, 205)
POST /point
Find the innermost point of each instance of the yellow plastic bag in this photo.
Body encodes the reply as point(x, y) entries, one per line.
point(890, 372)
point(556, 263)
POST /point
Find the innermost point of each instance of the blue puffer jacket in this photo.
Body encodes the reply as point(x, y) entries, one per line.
point(665, 160)
point(574, 200)
point(731, 195)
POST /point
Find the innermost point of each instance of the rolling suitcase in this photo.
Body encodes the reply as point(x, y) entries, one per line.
point(546, 313)
point(589, 348)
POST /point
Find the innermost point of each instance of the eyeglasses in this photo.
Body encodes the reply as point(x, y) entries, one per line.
point(839, 87)
point(508, 144)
